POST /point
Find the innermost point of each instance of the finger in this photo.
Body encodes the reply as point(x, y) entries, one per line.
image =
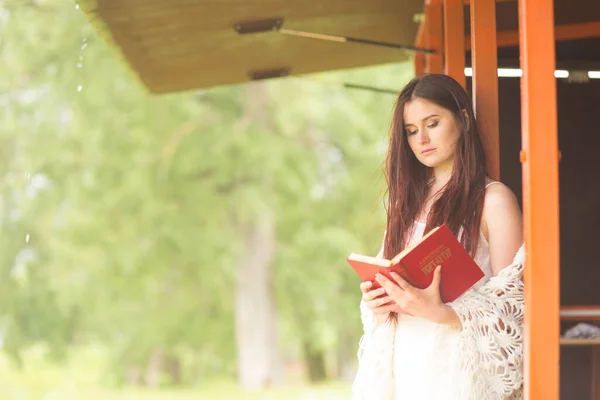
point(382, 301)
point(373, 294)
point(403, 283)
point(399, 295)
point(374, 303)
point(385, 283)
point(437, 277)
point(366, 286)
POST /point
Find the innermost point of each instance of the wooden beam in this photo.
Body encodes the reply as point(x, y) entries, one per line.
point(580, 313)
point(434, 39)
point(469, 1)
point(454, 46)
point(497, 1)
point(579, 342)
point(580, 30)
point(540, 156)
point(484, 60)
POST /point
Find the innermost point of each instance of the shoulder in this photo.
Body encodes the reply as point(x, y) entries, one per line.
point(498, 198)
point(499, 202)
point(502, 224)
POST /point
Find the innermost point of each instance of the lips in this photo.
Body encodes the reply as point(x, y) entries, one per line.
point(427, 151)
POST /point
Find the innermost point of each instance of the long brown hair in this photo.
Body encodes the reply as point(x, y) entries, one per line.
point(460, 205)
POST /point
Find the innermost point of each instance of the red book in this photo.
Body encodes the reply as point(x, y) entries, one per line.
point(417, 263)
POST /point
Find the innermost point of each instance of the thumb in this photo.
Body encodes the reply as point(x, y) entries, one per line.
point(437, 277)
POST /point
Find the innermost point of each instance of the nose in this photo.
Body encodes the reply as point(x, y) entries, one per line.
point(422, 137)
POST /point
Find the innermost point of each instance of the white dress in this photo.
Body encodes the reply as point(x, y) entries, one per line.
point(422, 348)
point(419, 360)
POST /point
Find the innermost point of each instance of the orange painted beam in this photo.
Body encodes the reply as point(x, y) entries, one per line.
point(540, 156)
point(497, 1)
point(454, 46)
point(434, 38)
point(580, 30)
point(484, 60)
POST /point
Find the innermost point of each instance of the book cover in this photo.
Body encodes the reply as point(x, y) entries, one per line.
point(417, 263)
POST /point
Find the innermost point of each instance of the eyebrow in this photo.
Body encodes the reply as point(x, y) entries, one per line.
point(424, 119)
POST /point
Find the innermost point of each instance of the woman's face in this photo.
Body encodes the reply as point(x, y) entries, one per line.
point(432, 133)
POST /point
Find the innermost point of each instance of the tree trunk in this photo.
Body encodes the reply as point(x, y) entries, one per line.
point(173, 369)
point(154, 368)
point(255, 310)
point(159, 364)
point(133, 376)
point(346, 355)
point(315, 362)
point(255, 316)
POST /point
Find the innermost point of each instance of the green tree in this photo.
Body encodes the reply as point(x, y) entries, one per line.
point(188, 233)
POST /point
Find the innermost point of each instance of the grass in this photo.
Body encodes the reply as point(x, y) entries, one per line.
point(80, 379)
point(62, 392)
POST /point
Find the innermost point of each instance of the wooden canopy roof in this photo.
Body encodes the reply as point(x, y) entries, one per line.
point(174, 45)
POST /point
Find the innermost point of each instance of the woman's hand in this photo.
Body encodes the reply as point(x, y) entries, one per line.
point(425, 303)
point(378, 301)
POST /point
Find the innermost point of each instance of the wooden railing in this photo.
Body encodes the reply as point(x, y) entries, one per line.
point(585, 313)
point(580, 313)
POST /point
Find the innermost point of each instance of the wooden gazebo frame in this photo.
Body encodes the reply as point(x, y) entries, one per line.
point(539, 156)
point(169, 58)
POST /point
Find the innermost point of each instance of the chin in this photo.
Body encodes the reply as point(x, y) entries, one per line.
point(435, 161)
point(430, 163)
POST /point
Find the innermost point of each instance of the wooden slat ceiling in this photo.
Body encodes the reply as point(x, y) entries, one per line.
point(175, 45)
point(577, 33)
point(565, 12)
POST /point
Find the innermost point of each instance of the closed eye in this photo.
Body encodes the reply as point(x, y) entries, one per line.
point(409, 133)
point(433, 124)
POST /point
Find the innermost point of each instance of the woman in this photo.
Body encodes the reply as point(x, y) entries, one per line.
point(471, 348)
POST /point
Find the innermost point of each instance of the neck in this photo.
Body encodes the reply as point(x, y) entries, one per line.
point(441, 175)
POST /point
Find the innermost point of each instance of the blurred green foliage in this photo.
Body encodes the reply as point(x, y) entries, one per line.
point(119, 211)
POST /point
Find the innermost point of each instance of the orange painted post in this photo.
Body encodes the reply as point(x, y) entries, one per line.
point(540, 199)
point(454, 44)
point(434, 38)
point(420, 42)
point(484, 60)
point(419, 64)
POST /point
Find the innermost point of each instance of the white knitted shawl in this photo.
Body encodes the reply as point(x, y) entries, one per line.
point(488, 359)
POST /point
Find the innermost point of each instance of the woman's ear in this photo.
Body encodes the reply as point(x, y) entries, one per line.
point(466, 117)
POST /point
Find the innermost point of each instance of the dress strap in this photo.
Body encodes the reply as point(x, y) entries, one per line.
point(491, 183)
